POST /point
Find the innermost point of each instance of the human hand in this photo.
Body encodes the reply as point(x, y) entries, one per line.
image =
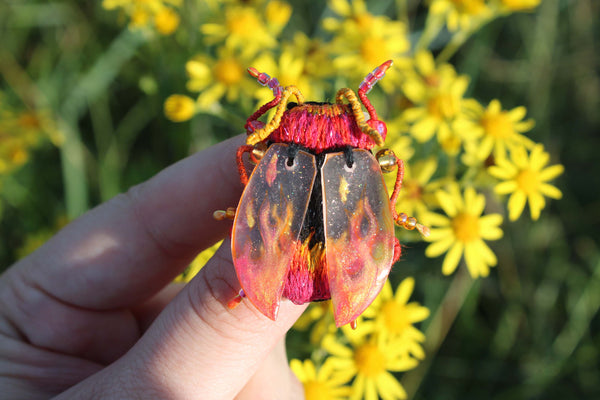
point(93, 312)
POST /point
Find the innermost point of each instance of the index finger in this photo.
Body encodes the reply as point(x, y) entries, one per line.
point(125, 250)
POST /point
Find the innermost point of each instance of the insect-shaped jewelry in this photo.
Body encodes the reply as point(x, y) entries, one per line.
point(315, 221)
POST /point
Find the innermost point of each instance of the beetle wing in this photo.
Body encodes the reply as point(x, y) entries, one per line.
point(268, 222)
point(359, 232)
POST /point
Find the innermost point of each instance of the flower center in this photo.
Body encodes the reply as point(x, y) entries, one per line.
point(432, 80)
point(314, 390)
point(228, 71)
point(498, 126)
point(528, 181)
point(451, 145)
point(364, 22)
point(394, 315)
point(29, 120)
point(243, 22)
point(442, 106)
point(413, 189)
point(18, 155)
point(373, 50)
point(370, 361)
point(466, 227)
point(472, 7)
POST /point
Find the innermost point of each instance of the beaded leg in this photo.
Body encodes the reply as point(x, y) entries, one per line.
point(402, 219)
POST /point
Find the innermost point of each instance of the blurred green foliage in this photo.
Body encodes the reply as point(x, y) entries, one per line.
point(530, 330)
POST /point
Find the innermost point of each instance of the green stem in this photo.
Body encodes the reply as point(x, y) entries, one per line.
point(433, 26)
point(402, 7)
point(73, 170)
point(109, 170)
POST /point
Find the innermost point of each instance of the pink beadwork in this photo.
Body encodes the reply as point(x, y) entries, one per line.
point(320, 127)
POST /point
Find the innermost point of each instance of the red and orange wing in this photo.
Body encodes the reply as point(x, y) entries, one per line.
point(359, 232)
point(268, 222)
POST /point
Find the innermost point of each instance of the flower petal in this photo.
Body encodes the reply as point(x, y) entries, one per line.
point(503, 170)
point(425, 63)
point(452, 258)
point(370, 390)
point(506, 187)
point(494, 107)
point(389, 388)
point(447, 202)
point(538, 158)
point(427, 171)
point(516, 114)
point(490, 221)
point(296, 367)
point(488, 255)
point(424, 129)
point(335, 348)
point(358, 387)
point(436, 234)
point(404, 290)
point(550, 191)
point(551, 172)
point(416, 312)
point(474, 260)
point(516, 204)
point(434, 219)
point(536, 204)
point(402, 364)
point(438, 248)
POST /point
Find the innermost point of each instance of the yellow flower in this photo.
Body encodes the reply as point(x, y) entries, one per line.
point(436, 93)
point(142, 13)
point(395, 316)
point(363, 41)
point(526, 180)
point(460, 14)
point(369, 360)
point(355, 10)
point(166, 21)
point(498, 130)
point(291, 69)
point(179, 108)
point(319, 317)
point(22, 131)
point(315, 54)
point(277, 14)
point(247, 28)
point(463, 231)
point(401, 145)
point(198, 263)
point(215, 78)
point(321, 385)
point(518, 5)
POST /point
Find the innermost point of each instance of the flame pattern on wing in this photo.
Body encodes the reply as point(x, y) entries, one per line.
point(359, 232)
point(267, 226)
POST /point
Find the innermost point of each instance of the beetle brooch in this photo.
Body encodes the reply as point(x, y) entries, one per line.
point(315, 221)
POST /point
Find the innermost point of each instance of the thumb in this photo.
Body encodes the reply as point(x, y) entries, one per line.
point(197, 345)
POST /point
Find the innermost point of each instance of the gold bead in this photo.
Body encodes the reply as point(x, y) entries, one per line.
point(402, 218)
point(387, 160)
point(258, 152)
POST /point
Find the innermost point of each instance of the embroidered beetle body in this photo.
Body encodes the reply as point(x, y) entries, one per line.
point(315, 220)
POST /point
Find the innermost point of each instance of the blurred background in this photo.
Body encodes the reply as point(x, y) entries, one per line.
point(82, 100)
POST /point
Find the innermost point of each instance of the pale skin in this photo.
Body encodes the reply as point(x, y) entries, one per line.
point(93, 312)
